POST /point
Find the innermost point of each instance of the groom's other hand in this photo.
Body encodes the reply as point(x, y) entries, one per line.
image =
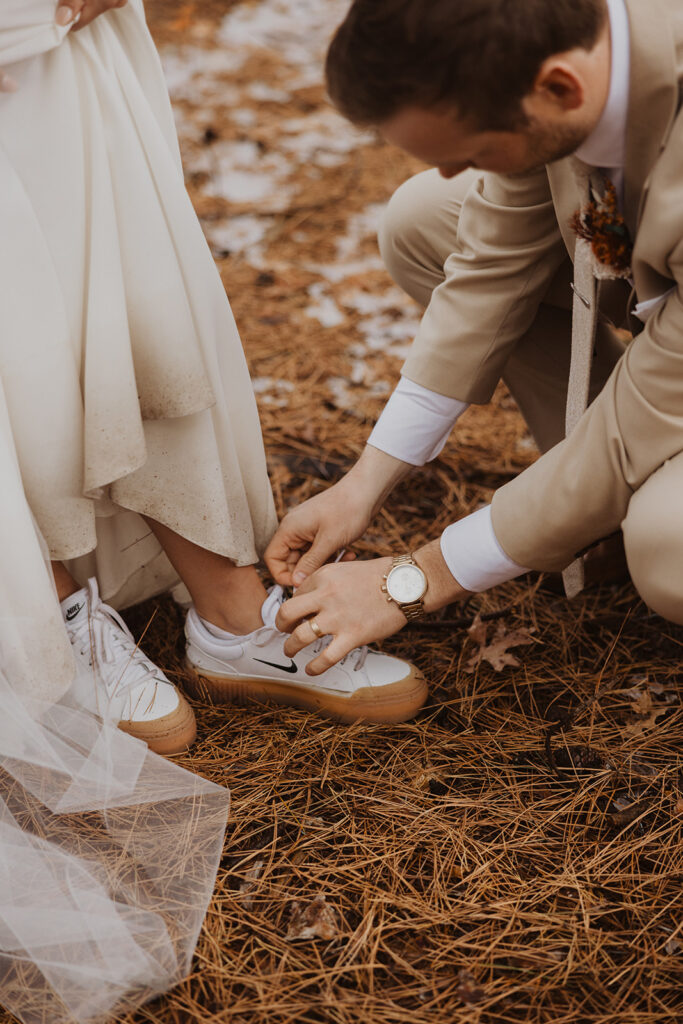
point(84, 10)
point(312, 533)
point(315, 531)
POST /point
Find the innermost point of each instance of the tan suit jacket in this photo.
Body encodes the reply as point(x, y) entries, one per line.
point(513, 236)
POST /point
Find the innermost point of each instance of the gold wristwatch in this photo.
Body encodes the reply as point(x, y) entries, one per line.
point(406, 585)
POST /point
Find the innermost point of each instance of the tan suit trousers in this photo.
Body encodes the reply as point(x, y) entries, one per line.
point(417, 235)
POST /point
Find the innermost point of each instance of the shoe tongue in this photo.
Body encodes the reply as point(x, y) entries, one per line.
point(271, 605)
point(75, 606)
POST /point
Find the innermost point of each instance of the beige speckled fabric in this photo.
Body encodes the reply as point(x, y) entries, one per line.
point(125, 383)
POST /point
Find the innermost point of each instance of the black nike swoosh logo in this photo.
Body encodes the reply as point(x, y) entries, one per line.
point(292, 667)
point(73, 612)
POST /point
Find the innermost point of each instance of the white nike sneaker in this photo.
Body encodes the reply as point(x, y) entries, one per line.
point(364, 685)
point(133, 690)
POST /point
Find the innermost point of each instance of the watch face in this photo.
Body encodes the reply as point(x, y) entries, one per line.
point(406, 583)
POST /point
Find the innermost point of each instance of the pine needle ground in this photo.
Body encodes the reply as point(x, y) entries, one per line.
point(514, 854)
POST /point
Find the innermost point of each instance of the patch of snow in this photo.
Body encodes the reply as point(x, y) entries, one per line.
point(358, 373)
point(340, 270)
point(272, 392)
point(323, 309)
point(345, 393)
point(369, 303)
point(389, 322)
point(242, 186)
point(323, 137)
point(239, 234)
point(264, 93)
point(245, 118)
point(298, 30)
point(193, 74)
point(526, 444)
point(359, 227)
point(350, 261)
point(387, 334)
point(342, 395)
point(242, 173)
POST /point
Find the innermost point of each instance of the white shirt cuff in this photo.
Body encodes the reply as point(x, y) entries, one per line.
point(415, 423)
point(474, 556)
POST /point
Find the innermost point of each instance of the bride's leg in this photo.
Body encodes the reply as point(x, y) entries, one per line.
point(64, 582)
point(223, 594)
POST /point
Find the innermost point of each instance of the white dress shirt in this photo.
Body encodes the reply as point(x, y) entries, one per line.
point(416, 422)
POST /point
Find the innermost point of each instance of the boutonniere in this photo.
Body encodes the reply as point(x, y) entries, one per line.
point(601, 224)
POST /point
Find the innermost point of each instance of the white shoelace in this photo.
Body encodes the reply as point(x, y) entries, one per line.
point(362, 652)
point(104, 636)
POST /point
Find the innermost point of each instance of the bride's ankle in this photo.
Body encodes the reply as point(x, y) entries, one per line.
point(237, 619)
point(64, 582)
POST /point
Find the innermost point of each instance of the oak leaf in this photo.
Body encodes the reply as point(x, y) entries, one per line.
point(497, 652)
point(645, 724)
point(314, 920)
point(468, 989)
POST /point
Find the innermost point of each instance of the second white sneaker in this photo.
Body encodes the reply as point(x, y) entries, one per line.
point(129, 687)
point(365, 685)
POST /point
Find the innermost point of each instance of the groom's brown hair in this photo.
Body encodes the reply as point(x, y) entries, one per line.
point(480, 57)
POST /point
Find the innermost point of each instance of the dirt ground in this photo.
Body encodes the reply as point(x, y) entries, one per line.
point(514, 854)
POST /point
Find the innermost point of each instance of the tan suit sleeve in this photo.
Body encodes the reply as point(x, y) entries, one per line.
point(507, 251)
point(580, 490)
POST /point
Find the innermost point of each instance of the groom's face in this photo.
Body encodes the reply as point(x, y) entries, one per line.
point(441, 139)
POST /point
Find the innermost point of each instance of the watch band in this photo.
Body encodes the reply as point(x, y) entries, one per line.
point(413, 611)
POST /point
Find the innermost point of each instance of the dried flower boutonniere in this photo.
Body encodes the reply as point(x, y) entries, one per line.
point(601, 224)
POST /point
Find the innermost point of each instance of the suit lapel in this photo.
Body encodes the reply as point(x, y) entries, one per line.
point(653, 99)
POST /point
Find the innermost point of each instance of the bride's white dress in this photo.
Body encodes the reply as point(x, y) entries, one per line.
point(123, 390)
point(124, 380)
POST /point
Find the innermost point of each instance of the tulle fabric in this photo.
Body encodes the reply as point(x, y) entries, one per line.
point(108, 853)
point(108, 857)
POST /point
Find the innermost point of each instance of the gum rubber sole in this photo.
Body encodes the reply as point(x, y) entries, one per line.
point(387, 705)
point(172, 734)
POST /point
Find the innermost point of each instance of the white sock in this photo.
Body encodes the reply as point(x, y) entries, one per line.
point(220, 634)
point(268, 613)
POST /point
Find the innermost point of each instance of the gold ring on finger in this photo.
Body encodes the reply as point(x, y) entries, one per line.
point(316, 628)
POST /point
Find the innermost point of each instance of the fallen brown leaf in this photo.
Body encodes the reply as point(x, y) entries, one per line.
point(249, 884)
point(314, 920)
point(468, 989)
point(497, 651)
point(644, 725)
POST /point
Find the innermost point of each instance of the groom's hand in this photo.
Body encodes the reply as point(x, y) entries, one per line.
point(85, 10)
point(346, 602)
point(314, 532)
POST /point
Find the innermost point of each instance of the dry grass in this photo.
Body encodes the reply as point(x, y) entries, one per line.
point(512, 855)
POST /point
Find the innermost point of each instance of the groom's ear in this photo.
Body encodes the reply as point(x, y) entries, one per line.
point(558, 88)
